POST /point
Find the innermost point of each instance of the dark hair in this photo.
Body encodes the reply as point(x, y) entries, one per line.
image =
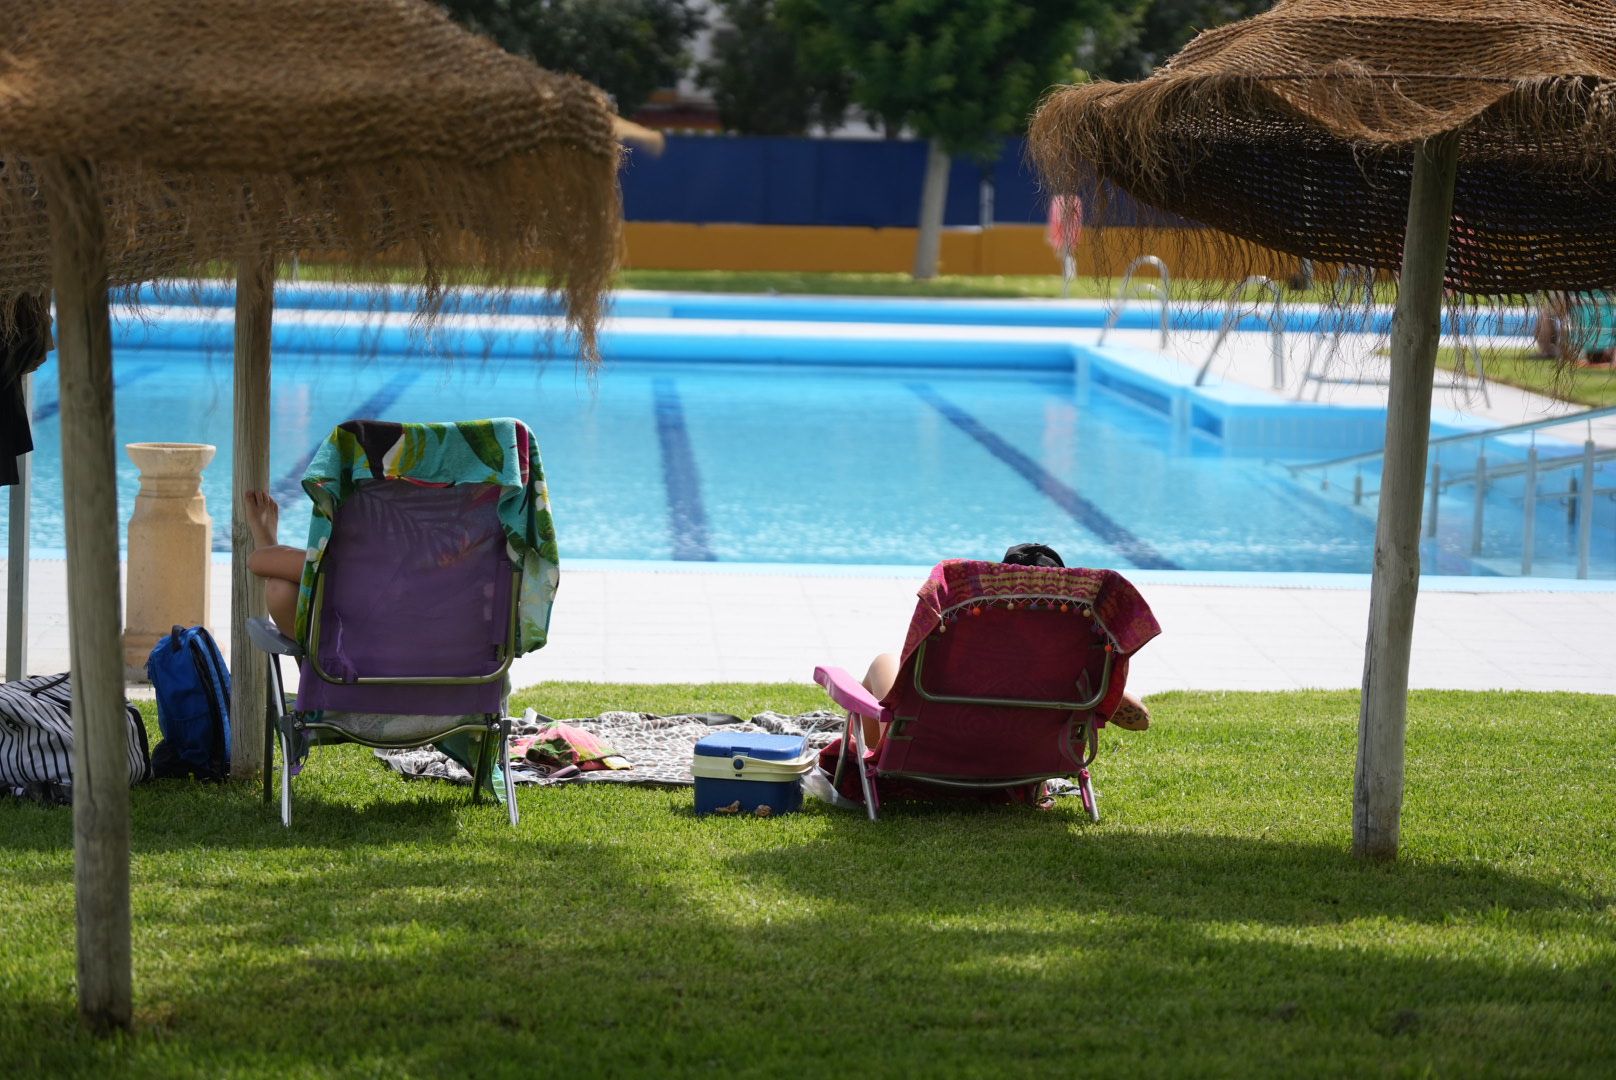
point(1032, 555)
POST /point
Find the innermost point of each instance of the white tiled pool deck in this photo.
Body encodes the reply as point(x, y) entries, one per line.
point(694, 622)
point(675, 623)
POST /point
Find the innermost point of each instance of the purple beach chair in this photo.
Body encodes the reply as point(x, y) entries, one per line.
point(431, 567)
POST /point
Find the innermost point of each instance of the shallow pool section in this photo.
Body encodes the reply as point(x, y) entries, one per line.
point(778, 464)
point(837, 450)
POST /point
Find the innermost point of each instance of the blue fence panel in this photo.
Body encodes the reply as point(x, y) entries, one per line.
point(874, 183)
point(780, 181)
point(1016, 197)
point(869, 182)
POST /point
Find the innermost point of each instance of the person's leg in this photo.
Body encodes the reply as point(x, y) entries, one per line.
point(878, 681)
point(279, 565)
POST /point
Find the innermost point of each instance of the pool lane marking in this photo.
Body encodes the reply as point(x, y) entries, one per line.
point(290, 486)
point(687, 517)
point(1079, 509)
point(130, 374)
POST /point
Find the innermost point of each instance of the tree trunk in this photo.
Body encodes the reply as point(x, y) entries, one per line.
point(90, 497)
point(1377, 800)
point(255, 299)
point(933, 194)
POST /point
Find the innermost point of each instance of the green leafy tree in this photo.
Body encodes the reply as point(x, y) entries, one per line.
point(960, 73)
point(629, 48)
point(759, 80)
point(1165, 26)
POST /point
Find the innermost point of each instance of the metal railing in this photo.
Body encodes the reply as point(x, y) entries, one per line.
point(1577, 496)
point(1147, 291)
point(1233, 313)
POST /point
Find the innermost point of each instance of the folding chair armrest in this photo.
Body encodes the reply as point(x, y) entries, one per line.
point(266, 636)
point(851, 694)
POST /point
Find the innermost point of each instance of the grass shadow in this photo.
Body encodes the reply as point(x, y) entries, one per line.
point(608, 957)
point(1047, 863)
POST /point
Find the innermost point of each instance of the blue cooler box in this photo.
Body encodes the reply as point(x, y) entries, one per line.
point(750, 769)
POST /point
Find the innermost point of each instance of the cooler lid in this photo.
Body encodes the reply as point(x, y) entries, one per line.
point(752, 745)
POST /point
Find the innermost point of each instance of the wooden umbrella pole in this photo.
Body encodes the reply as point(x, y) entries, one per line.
point(90, 496)
point(1377, 800)
point(255, 300)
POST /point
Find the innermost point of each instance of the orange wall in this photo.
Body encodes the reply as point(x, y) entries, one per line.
point(1002, 249)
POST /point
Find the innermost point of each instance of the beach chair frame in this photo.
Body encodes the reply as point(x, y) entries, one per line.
point(294, 728)
point(852, 696)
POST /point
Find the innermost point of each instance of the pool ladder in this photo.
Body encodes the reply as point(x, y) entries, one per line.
point(1234, 313)
point(1343, 302)
point(1145, 291)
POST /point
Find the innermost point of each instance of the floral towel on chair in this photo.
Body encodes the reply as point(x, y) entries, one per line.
point(502, 452)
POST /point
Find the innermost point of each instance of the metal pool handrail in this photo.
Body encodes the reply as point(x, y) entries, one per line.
point(1465, 436)
point(1233, 313)
point(1147, 292)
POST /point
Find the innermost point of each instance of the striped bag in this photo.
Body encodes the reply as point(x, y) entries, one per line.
point(36, 738)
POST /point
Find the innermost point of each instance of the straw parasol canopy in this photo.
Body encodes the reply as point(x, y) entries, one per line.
point(369, 131)
point(1296, 130)
point(155, 137)
point(1467, 147)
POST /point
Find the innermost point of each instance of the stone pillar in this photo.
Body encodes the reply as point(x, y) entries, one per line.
point(170, 548)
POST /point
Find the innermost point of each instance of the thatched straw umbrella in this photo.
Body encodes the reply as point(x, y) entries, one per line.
point(1464, 146)
point(166, 136)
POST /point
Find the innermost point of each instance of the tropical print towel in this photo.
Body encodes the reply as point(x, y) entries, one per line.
point(501, 452)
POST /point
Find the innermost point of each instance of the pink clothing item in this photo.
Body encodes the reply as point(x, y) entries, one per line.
point(1065, 222)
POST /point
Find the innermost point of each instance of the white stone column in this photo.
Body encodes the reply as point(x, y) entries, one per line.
point(170, 548)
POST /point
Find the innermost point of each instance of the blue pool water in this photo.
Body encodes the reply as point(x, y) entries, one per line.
point(836, 463)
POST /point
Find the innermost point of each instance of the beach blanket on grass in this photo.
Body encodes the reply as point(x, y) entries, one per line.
point(658, 748)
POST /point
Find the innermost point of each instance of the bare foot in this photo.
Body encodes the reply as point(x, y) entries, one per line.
point(263, 518)
point(1131, 714)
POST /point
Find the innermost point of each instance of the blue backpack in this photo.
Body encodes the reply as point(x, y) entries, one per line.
point(193, 705)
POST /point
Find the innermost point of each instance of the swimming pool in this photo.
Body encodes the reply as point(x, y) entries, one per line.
point(911, 451)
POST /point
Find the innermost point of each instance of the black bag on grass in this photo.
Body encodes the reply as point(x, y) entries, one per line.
point(36, 738)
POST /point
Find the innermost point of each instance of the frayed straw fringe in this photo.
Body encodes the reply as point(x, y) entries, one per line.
point(372, 133)
point(556, 211)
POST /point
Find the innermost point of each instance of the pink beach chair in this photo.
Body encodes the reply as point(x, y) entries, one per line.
point(1007, 675)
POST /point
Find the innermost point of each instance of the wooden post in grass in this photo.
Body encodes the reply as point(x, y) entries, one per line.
point(255, 299)
point(90, 494)
point(1377, 799)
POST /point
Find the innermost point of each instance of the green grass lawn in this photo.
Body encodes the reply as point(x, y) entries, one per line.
point(1592, 386)
point(1212, 925)
point(942, 287)
point(807, 282)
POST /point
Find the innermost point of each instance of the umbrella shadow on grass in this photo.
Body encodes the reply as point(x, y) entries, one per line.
point(957, 862)
point(625, 956)
point(328, 811)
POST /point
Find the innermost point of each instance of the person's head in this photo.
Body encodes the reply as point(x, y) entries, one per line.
point(1032, 555)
